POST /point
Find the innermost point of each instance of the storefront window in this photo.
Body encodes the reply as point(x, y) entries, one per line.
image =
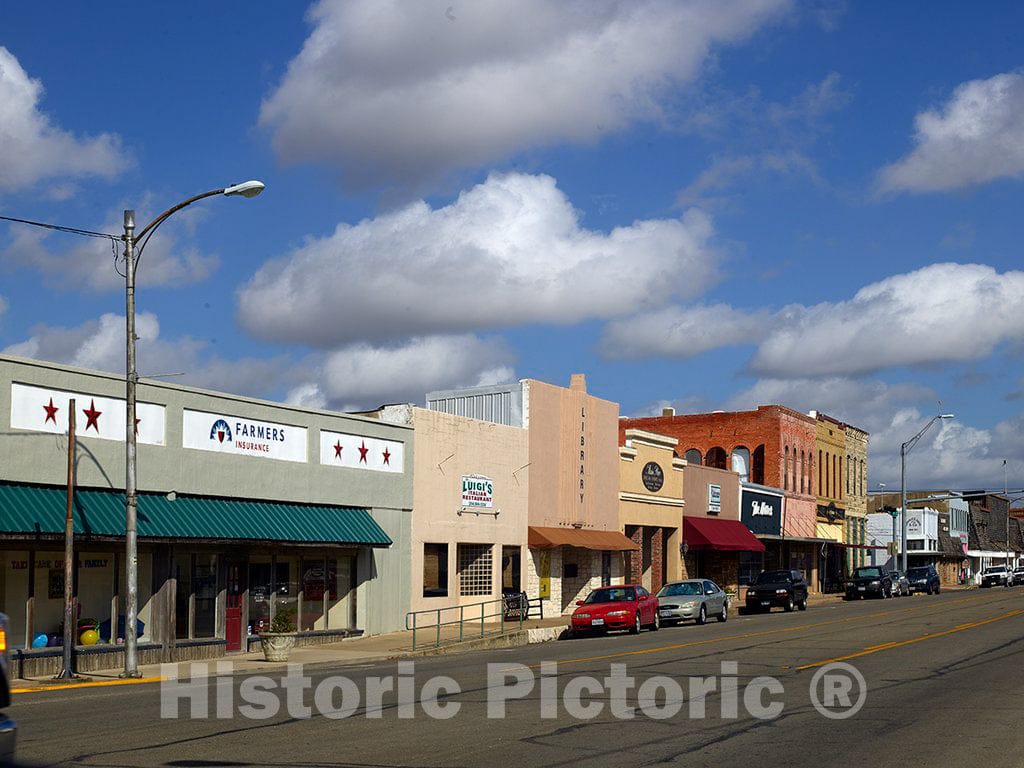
point(751, 564)
point(95, 591)
point(474, 569)
point(182, 570)
point(339, 593)
point(314, 583)
point(204, 585)
point(49, 593)
point(14, 577)
point(286, 589)
point(435, 570)
point(260, 587)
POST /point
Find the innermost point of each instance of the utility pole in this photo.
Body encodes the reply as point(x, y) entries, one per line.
point(70, 625)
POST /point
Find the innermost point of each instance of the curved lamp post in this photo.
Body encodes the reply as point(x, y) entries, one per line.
point(906, 448)
point(131, 257)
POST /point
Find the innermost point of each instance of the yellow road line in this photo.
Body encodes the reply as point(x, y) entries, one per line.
point(911, 641)
point(90, 684)
point(756, 634)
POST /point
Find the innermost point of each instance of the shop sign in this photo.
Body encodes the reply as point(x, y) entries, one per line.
point(761, 513)
point(477, 491)
point(46, 410)
point(913, 524)
point(338, 449)
point(221, 433)
point(653, 477)
point(714, 498)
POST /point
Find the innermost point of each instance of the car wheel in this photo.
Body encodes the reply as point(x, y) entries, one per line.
point(937, 588)
point(656, 624)
point(802, 605)
point(702, 615)
point(790, 605)
point(635, 629)
point(724, 615)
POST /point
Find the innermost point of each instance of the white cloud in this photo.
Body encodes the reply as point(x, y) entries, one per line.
point(943, 312)
point(3, 305)
point(403, 92)
point(368, 375)
point(33, 149)
point(509, 251)
point(976, 137)
point(77, 263)
point(100, 345)
point(682, 332)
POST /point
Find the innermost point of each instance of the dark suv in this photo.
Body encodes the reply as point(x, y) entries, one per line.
point(787, 589)
point(923, 578)
point(869, 580)
point(8, 730)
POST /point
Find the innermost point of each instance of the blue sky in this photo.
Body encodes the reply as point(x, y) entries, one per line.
point(699, 204)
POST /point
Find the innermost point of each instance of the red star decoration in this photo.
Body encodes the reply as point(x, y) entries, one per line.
point(387, 457)
point(137, 420)
point(92, 416)
point(337, 449)
point(51, 412)
point(363, 450)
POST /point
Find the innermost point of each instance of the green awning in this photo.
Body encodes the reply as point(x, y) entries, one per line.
point(29, 509)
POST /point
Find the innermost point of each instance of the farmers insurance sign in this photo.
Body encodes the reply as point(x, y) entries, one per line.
point(244, 437)
point(761, 512)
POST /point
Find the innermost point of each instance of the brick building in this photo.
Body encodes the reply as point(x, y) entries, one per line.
point(772, 446)
point(856, 478)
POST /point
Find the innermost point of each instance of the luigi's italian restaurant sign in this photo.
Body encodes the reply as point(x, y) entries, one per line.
point(477, 491)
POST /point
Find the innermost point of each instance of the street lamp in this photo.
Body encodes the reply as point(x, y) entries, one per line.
point(131, 257)
point(906, 448)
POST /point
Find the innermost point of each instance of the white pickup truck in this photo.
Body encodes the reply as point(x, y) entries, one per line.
point(995, 576)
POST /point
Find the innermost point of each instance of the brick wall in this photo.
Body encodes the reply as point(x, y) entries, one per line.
point(657, 559)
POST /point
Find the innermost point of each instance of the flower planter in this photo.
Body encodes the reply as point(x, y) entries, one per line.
point(277, 645)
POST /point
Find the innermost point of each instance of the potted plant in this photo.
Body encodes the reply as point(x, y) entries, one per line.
point(277, 644)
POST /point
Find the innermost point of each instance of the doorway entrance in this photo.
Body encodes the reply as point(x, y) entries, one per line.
point(233, 605)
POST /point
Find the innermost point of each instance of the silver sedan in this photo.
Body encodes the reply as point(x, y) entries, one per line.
point(696, 599)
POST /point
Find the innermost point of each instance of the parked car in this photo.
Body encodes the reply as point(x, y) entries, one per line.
point(787, 589)
point(1017, 577)
point(923, 578)
point(995, 576)
point(900, 584)
point(627, 606)
point(692, 599)
point(8, 728)
point(868, 580)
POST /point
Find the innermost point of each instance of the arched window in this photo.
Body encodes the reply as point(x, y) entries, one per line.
point(741, 462)
point(757, 465)
point(693, 456)
point(839, 478)
point(785, 470)
point(862, 471)
point(819, 473)
point(802, 474)
point(715, 457)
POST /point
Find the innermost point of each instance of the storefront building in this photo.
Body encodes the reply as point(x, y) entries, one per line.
point(856, 484)
point(572, 474)
point(762, 510)
point(247, 509)
point(772, 446)
point(716, 544)
point(651, 507)
point(469, 524)
point(830, 446)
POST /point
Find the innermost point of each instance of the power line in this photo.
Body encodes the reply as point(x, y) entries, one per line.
point(58, 228)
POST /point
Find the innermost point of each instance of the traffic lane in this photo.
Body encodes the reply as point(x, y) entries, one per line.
point(213, 740)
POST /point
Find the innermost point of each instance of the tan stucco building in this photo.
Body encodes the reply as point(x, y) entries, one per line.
point(651, 507)
point(573, 479)
point(469, 521)
point(856, 479)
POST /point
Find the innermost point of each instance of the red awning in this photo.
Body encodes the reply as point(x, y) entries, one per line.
point(549, 538)
point(728, 535)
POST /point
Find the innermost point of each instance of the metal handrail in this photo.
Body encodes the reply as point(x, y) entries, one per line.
point(509, 610)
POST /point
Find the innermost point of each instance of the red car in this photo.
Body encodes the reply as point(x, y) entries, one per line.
point(626, 606)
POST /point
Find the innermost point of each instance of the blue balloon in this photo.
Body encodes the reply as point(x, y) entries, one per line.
point(40, 640)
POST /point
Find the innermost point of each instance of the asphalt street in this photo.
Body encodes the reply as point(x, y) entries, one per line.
point(936, 680)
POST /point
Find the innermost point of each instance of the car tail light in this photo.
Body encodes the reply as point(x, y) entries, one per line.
point(3, 640)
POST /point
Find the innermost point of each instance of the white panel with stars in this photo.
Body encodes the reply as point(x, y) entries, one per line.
point(359, 452)
point(46, 410)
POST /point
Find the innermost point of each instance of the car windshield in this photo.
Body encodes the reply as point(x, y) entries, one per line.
point(867, 573)
point(917, 573)
point(773, 577)
point(611, 595)
point(674, 590)
point(995, 569)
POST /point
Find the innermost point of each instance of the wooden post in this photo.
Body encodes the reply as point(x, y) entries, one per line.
point(70, 625)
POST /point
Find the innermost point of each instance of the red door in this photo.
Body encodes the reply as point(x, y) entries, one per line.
point(233, 619)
